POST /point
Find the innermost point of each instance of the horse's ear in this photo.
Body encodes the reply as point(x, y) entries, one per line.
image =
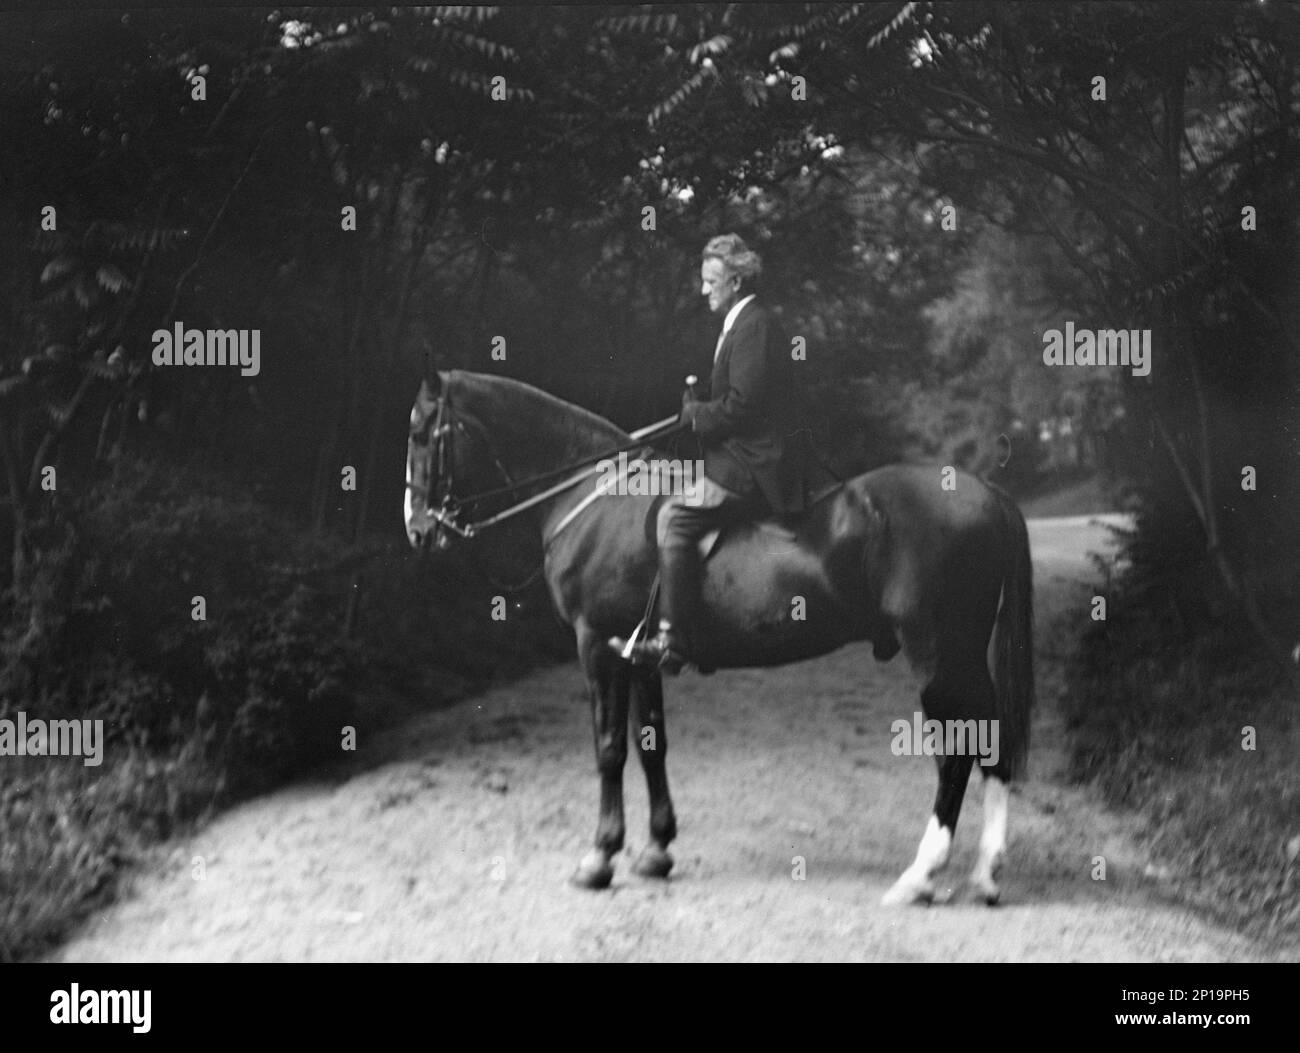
point(432, 378)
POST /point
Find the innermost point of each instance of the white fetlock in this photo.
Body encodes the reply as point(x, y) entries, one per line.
point(984, 879)
point(992, 841)
point(917, 884)
point(912, 887)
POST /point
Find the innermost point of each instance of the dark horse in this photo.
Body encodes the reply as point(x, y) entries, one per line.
point(915, 557)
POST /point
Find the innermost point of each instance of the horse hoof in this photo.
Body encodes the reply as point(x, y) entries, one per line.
point(906, 891)
point(653, 862)
point(987, 890)
point(594, 872)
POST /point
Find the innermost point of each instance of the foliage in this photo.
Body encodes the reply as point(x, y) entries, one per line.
point(1167, 720)
point(106, 628)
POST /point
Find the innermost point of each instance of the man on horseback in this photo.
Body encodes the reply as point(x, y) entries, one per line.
point(755, 442)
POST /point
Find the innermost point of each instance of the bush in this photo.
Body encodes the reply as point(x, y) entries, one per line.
point(110, 628)
point(1161, 694)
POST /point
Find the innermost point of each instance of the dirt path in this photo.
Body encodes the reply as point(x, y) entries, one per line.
point(457, 841)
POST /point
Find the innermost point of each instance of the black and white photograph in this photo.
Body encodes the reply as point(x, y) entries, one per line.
point(672, 483)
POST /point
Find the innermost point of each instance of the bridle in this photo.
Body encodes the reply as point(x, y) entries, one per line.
point(448, 511)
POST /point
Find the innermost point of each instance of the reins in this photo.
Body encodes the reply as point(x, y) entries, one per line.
point(589, 465)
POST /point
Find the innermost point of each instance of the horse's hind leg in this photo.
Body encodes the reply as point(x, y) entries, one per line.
point(916, 885)
point(648, 734)
point(997, 776)
point(607, 683)
point(962, 694)
point(993, 840)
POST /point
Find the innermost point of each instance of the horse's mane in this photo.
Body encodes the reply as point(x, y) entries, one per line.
point(535, 413)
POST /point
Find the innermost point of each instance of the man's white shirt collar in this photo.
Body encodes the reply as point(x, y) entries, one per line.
point(729, 321)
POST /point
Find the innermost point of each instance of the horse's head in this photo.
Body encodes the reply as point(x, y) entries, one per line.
point(443, 463)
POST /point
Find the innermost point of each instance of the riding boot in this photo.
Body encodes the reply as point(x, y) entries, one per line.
point(680, 586)
point(668, 649)
point(679, 582)
point(679, 589)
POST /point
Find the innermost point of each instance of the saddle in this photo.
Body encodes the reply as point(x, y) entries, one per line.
point(778, 529)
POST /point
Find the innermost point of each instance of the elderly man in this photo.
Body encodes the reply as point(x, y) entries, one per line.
point(754, 439)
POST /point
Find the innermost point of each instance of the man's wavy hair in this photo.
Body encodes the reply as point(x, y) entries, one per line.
point(737, 257)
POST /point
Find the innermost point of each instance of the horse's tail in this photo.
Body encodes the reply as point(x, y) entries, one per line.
point(1014, 652)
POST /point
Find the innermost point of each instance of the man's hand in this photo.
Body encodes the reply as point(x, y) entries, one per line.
point(689, 407)
point(690, 401)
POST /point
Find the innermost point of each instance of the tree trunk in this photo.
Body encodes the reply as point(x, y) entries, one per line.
point(18, 501)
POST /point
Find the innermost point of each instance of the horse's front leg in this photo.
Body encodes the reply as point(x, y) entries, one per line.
point(607, 682)
point(647, 729)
